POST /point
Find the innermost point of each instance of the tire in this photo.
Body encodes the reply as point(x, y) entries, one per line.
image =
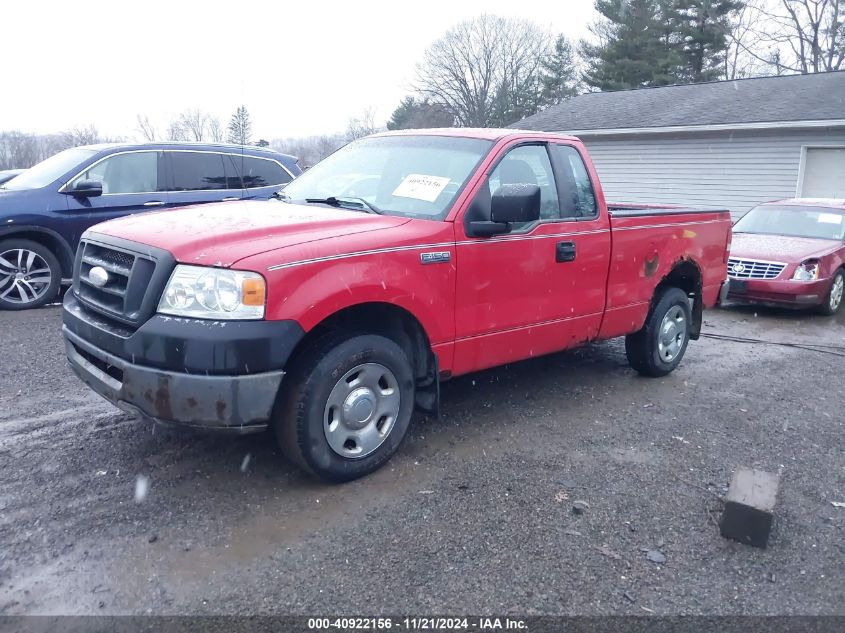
point(833, 300)
point(659, 346)
point(20, 289)
point(366, 414)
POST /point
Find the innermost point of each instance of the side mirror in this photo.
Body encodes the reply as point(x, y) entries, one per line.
point(510, 204)
point(87, 189)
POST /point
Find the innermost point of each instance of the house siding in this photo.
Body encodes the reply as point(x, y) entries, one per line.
point(737, 170)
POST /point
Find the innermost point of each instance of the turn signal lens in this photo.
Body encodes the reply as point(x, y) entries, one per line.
point(254, 291)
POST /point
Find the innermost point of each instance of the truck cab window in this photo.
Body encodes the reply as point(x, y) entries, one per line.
point(577, 198)
point(528, 165)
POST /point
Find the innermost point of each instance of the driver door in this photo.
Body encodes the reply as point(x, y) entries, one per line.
point(514, 299)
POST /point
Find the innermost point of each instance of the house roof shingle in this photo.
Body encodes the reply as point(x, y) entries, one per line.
point(791, 98)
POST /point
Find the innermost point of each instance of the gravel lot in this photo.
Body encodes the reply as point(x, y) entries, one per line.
point(474, 515)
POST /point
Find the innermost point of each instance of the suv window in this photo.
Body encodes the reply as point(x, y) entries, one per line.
point(260, 172)
point(132, 172)
point(201, 171)
point(529, 165)
point(577, 198)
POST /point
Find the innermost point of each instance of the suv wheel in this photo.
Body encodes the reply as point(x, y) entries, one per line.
point(347, 406)
point(659, 346)
point(30, 275)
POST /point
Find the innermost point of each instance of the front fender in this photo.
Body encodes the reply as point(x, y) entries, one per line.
point(312, 292)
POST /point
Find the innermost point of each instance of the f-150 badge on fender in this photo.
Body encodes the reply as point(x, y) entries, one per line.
point(439, 257)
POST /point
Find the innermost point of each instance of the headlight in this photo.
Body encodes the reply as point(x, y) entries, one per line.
point(213, 293)
point(807, 271)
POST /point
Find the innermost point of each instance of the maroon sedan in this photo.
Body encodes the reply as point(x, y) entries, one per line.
point(790, 253)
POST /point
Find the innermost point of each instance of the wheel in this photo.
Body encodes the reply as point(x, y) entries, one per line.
point(833, 300)
point(346, 407)
point(659, 346)
point(30, 275)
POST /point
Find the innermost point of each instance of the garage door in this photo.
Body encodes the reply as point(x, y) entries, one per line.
point(824, 173)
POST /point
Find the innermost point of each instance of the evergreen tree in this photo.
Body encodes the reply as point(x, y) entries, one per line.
point(559, 74)
point(240, 127)
point(416, 114)
point(704, 27)
point(634, 50)
point(657, 42)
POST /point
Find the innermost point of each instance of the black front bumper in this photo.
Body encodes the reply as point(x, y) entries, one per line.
point(217, 375)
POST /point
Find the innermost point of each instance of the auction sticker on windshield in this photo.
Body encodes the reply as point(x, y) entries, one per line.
point(830, 218)
point(421, 187)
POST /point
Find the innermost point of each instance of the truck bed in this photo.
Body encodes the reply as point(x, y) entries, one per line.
point(648, 242)
point(621, 209)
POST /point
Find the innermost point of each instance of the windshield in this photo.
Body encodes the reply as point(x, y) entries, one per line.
point(49, 170)
point(796, 221)
point(416, 176)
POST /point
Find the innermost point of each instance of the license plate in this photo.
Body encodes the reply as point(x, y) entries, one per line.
point(738, 286)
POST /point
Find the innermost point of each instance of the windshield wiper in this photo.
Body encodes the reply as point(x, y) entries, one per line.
point(281, 195)
point(342, 201)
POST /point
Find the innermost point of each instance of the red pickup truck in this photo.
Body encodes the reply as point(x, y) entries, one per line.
point(333, 311)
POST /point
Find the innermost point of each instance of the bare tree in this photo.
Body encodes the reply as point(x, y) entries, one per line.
point(486, 71)
point(362, 125)
point(79, 135)
point(148, 132)
point(216, 133)
point(18, 150)
point(175, 131)
point(194, 123)
point(311, 149)
point(801, 36)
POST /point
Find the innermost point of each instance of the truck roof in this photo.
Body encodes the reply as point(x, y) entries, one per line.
point(490, 134)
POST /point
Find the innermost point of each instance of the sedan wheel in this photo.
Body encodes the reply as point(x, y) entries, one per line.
point(29, 275)
point(836, 293)
point(835, 296)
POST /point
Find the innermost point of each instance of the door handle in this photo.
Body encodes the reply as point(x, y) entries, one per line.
point(565, 252)
point(154, 203)
point(229, 199)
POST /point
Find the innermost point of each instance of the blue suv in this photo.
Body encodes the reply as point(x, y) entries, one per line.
point(45, 210)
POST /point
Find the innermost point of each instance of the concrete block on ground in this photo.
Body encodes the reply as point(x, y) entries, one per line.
point(750, 506)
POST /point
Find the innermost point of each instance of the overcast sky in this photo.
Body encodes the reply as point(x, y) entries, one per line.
point(301, 67)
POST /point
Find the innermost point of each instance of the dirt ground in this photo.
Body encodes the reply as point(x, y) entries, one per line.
point(475, 513)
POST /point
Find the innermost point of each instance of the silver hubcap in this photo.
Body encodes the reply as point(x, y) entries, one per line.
point(673, 333)
point(361, 410)
point(836, 292)
point(24, 276)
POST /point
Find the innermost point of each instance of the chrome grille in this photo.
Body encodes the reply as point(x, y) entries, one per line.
point(753, 269)
point(122, 295)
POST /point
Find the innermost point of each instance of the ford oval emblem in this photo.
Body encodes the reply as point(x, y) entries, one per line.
point(98, 276)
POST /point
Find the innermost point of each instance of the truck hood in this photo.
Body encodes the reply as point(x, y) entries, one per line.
point(220, 234)
point(780, 248)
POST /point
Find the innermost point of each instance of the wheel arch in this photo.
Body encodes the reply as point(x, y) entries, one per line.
point(686, 275)
point(393, 322)
point(47, 238)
